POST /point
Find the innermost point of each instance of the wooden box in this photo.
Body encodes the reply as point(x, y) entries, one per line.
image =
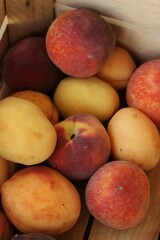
point(137, 27)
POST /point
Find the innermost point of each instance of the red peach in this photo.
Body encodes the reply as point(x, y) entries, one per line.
point(118, 195)
point(83, 145)
point(26, 65)
point(143, 90)
point(79, 41)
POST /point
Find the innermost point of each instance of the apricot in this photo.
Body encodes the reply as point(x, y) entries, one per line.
point(79, 41)
point(118, 68)
point(86, 95)
point(41, 200)
point(43, 101)
point(134, 138)
point(26, 135)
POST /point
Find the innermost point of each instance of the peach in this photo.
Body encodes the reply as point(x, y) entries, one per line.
point(41, 100)
point(118, 195)
point(26, 65)
point(143, 90)
point(82, 146)
point(6, 228)
point(118, 68)
point(134, 137)
point(40, 199)
point(79, 41)
point(86, 95)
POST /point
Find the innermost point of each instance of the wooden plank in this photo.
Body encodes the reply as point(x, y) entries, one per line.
point(4, 45)
point(27, 17)
point(2, 12)
point(78, 231)
point(4, 40)
point(147, 230)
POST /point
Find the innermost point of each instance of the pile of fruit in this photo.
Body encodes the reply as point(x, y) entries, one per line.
point(79, 109)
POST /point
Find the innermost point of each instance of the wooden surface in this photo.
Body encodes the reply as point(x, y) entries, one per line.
point(4, 40)
point(28, 17)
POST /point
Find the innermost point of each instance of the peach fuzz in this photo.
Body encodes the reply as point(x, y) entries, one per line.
point(83, 145)
point(118, 68)
point(40, 199)
point(143, 90)
point(118, 195)
point(79, 41)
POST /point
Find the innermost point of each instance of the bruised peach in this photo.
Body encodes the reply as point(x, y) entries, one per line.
point(79, 41)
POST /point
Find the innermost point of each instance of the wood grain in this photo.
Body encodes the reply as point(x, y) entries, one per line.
point(4, 40)
point(27, 17)
point(147, 230)
point(2, 12)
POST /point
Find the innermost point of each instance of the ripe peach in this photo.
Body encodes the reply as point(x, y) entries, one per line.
point(143, 90)
point(26, 65)
point(6, 228)
point(82, 146)
point(79, 41)
point(40, 199)
point(118, 68)
point(118, 195)
point(86, 95)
